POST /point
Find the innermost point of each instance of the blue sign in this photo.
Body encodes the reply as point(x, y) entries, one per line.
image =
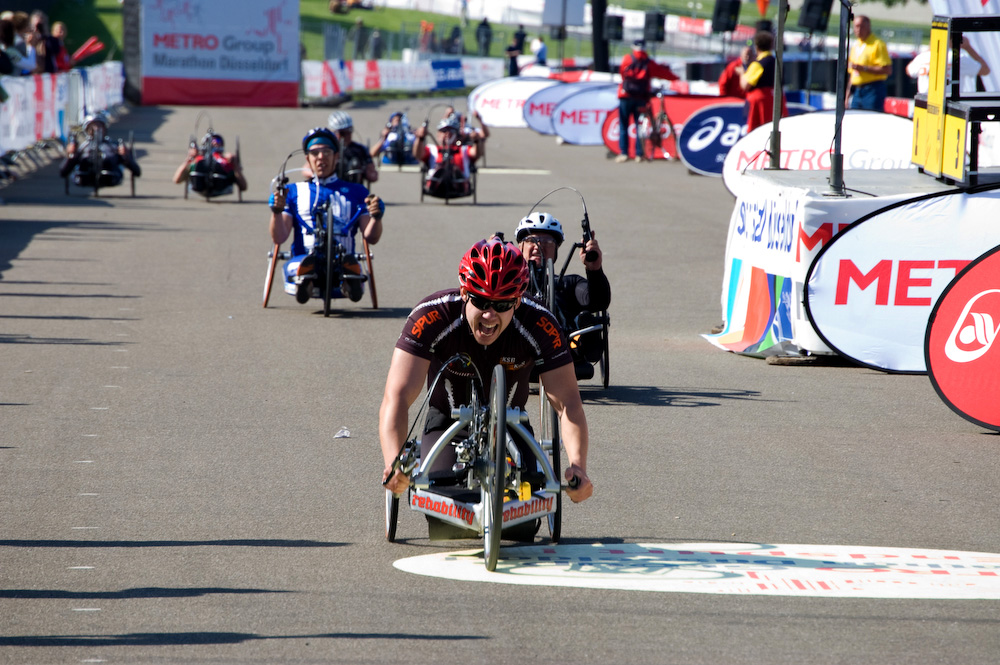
point(448, 74)
point(710, 132)
point(708, 135)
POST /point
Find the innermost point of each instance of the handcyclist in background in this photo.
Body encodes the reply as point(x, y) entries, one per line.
point(448, 147)
point(210, 169)
point(355, 164)
point(637, 71)
point(396, 144)
point(299, 208)
point(487, 319)
point(114, 157)
point(578, 298)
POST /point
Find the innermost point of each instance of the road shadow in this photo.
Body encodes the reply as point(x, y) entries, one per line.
point(235, 542)
point(657, 396)
point(208, 638)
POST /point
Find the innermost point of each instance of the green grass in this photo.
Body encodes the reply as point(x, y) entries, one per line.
point(103, 19)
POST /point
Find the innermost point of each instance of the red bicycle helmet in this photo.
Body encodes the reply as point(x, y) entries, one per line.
point(494, 269)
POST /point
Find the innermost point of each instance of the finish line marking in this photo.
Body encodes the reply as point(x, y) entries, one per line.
point(830, 571)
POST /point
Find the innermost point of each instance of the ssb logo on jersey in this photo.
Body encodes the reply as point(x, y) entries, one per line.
point(963, 365)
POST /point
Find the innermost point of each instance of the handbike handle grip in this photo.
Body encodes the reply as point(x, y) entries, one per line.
point(572, 484)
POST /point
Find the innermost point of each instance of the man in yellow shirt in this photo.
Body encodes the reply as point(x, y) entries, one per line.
point(870, 66)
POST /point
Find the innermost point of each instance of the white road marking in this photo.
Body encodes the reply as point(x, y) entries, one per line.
point(86, 609)
point(85, 528)
point(500, 171)
point(823, 571)
point(80, 568)
point(99, 408)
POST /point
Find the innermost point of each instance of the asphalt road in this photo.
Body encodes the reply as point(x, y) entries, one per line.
point(171, 490)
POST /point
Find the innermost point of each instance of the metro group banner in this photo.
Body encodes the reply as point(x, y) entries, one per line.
point(220, 52)
point(870, 291)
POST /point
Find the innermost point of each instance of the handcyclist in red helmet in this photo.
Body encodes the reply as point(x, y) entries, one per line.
point(487, 319)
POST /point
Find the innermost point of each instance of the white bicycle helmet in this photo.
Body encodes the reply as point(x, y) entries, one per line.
point(340, 120)
point(539, 221)
point(451, 122)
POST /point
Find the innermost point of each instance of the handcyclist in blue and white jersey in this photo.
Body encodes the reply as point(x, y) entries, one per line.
point(298, 208)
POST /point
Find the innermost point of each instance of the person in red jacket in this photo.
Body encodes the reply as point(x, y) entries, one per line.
point(730, 84)
point(637, 71)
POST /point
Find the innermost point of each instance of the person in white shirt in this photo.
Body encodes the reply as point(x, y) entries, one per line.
point(971, 65)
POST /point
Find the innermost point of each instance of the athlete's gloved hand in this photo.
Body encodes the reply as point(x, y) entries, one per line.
point(398, 484)
point(277, 201)
point(376, 207)
point(583, 487)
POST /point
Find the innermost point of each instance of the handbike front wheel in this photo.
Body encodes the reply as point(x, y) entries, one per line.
point(493, 485)
point(329, 269)
point(391, 515)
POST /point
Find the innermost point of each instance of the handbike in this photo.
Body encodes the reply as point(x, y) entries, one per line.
point(544, 283)
point(218, 184)
point(332, 274)
point(93, 168)
point(494, 488)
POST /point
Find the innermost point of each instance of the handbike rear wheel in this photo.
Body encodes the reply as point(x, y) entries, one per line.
point(371, 273)
point(493, 485)
point(391, 515)
point(269, 280)
point(606, 355)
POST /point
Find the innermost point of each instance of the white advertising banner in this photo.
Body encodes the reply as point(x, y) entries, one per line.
point(779, 224)
point(579, 118)
point(869, 141)
point(871, 291)
point(220, 52)
point(501, 103)
point(539, 107)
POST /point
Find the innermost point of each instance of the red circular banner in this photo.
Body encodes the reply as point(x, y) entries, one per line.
point(963, 365)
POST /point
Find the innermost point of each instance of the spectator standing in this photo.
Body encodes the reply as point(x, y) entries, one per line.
point(512, 52)
point(358, 35)
point(759, 82)
point(519, 38)
point(12, 55)
point(63, 62)
point(730, 84)
point(870, 66)
point(456, 44)
point(637, 71)
point(484, 37)
point(377, 46)
point(541, 53)
point(46, 46)
point(971, 66)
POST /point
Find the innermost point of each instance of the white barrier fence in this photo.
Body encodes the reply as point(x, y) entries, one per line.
point(46, 106)
point(332, 78)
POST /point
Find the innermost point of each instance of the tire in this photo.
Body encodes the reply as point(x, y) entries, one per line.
point(391, 515)
point(643, 136)
point(493, 486)
point(371, 273)
point(97, 170)
point(269, 280)
point(239, 192)
point(329, 268)
point(131, 154)
point(549, 420)
point(606, 356)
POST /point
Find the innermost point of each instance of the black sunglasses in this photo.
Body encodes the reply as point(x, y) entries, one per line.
point(486, 304)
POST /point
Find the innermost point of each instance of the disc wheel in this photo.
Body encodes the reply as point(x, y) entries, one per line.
point(371, 273)
point(269, 280)
point(492, 486)
point(391, 515)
